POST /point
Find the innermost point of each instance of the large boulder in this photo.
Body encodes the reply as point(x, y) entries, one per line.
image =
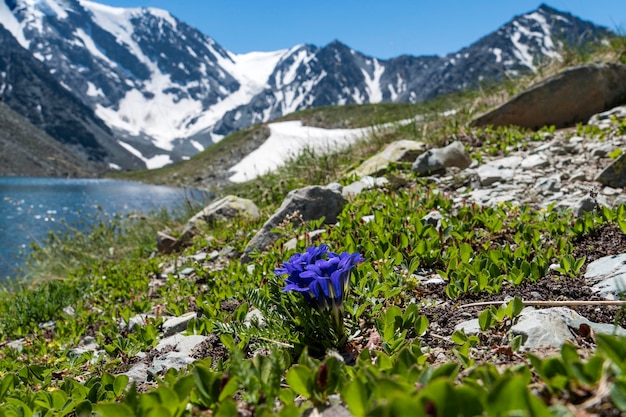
point(225, 208)
point(563, 100)
point(304, 204)
point(400, 151)
point(435, 161)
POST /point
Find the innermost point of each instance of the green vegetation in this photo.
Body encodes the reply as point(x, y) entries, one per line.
point(92, 285)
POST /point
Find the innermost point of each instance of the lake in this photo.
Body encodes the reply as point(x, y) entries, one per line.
point(31, 207)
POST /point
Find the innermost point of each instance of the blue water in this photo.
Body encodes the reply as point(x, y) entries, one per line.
point(31, 207)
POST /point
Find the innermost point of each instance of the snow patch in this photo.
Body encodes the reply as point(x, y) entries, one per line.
point(498, 53)
point(93, 91)
point(287, 140)
point(157, 161)
point(372, 83)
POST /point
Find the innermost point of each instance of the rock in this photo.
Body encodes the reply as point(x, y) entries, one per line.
point(177, 324)
point(166, 243)
point(563, 100)
point(604, 120)
point(584, 205)
point(312, 236)
point(365, 183)
point(433, 218)
point(17, 345)
point(87, 344)
point(400, 151)
point(304, 204)
point(175, 352)
point(225, 208)
point(538, 160)
point(607, 275)
point(615, 174)
point(335, 410)
point(552, 327)
point(470, 327)
point(489, 174)
point(138, 373)
point(136, 320)
point(435, 161)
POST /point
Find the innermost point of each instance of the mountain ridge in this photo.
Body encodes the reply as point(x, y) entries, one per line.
point(166, 91)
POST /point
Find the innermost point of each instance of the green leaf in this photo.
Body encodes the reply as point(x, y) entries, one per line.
point(516, 343)
point(485, 319)
point(229, 389)
point(157, 411)
point(184, 386)
point(207, 384)
point(614, 347)
point(6, 383)
point(459, 337)
point(618, 394)
point(113, 410)
point(227, 409)
point(421, 325)
point(511, 394)
point(356, 396)
point(83, 409)
point(120, 384)
point(300, 379)
point(518, 306)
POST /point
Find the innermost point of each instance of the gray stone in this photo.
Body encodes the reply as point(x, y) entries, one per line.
point(583, 205)
point(535, 161)
point(137, 320)
point(435, 161)
point(254, 316)
point(602, 150)
point(489, 174)
point(223, 209)
point(509, 162)
point(138, 373)
point(365, 183)
point(175, 360)
point(304, 204)
point(607, 275)
point(87, 344)
point(605, 119)
point(177, 324)
point(552, 327)
point(615, 174)
point(181, 343)
point(541, 328)
point(335, 410)
point(563, 100)
point(17, 345)
point(470, 327)
point(433, 218)
point(187, 271)
point(400, 151)
point(335, 186)
point(547, 185)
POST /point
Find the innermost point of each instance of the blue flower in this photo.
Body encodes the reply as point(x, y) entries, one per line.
point(322, 277)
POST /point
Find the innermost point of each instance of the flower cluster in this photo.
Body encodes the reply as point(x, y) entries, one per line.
point(322, 277)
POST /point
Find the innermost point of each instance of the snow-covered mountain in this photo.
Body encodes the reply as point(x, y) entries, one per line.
point(166, 90)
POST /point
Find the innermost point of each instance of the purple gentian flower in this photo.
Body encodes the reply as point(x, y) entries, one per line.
point(322, 277)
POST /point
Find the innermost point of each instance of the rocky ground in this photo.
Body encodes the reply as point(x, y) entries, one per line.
point(561, 169)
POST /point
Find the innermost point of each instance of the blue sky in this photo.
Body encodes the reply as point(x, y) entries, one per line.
point(382, 29)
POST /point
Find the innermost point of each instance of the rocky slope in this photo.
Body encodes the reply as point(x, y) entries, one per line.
point(26, 150)
point(28, 88)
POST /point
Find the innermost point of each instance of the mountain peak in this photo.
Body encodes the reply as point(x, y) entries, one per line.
point(167, 91)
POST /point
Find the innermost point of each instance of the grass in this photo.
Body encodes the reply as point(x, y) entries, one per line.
point(107, 275)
